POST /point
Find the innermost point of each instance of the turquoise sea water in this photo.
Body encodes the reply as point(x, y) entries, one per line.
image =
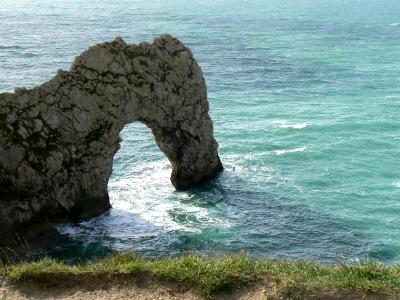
point(305, 98)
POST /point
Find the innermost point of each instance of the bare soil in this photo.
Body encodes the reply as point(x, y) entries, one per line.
point(112, 287)
point(144, 287)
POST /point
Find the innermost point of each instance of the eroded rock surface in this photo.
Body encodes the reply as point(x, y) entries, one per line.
point(57, 140)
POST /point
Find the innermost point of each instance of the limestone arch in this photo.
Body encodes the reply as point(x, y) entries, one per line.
point(58, 140)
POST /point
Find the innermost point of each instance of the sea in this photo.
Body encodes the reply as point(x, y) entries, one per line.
point(305, 100)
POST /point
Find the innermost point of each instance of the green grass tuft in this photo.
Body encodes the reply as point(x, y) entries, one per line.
point(211, 275)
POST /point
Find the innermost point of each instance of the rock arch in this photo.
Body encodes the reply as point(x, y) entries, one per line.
point(57, 140)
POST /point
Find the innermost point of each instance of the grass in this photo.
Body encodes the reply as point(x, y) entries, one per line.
point(211, 275)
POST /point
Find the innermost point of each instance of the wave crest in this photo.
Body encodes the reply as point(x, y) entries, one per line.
point(280, 152)
point(294, 126)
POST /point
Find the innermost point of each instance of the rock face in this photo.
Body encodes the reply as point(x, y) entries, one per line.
point(57, 140)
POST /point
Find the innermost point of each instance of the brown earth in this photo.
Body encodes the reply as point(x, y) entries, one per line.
point(111, 287)
point(144, 287)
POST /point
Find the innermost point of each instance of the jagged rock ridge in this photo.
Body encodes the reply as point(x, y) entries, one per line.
point(57, 140)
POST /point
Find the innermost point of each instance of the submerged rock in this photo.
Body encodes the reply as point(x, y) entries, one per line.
point(57, 140)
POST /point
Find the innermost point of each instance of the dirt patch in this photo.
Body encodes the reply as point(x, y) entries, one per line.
point(141, 286)
point(110, 287)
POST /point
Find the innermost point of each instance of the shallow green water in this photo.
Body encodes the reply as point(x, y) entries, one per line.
point(305, 98)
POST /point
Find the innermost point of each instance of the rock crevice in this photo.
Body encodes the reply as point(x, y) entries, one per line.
point(57, 140)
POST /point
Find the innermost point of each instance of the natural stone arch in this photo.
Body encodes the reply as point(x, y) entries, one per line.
point(57, 140)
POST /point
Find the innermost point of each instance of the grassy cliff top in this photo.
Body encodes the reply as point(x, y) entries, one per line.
point(290, 279)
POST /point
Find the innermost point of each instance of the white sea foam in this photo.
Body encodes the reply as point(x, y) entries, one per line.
point(295, 126)
point(395, 24)
point(284, 124)
point(147, 193)
point(280, 152)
